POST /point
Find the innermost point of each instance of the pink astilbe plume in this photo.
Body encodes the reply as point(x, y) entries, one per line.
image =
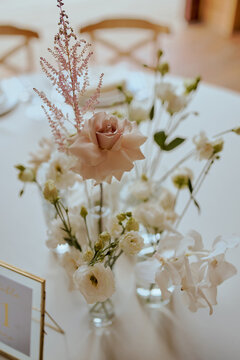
point(69, 77)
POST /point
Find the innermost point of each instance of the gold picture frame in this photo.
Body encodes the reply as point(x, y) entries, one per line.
point(42, 310)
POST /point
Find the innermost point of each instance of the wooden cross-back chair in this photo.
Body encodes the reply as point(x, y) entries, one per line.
point(26, 36)
point(96, 30)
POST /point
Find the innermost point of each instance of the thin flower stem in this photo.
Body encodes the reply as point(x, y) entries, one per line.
point(100, 211)
point(87, 193)
point(72, 241)
point(158, 156)
point(197, 186)
point(169, 172)
point(89, 240)
point(115, 258)
point(151, 123)
point(170, 121)
point(178, 122)
point(223, 133)
point(105, 310)
point(151, 287)
point(177, 197)
point(94, 307)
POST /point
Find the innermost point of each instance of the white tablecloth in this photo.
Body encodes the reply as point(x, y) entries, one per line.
point(135, 334)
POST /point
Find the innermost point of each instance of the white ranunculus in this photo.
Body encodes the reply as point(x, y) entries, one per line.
point(114, 228)
point(167, 200)
point(151, 215)
point(96, 283)
point(131, 243)
point(137, 112)
point(203, 146)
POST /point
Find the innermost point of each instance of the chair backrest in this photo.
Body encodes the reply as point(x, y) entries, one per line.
point(26, 36)
point(97, 30)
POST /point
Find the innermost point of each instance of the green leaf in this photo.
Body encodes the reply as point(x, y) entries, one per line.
point(151, 114)
point(174, 143)
point(190, 187)
point(160, 138)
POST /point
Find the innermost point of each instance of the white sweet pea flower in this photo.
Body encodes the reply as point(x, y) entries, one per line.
point(43, 154)
point(206, 148)
point(202, 277)
point(219, 269)
point(168, 274)
point(96, 283)
point(58, 169)
point(203, 146)
point(131, 243)
point(197, 291)
point(166, 92)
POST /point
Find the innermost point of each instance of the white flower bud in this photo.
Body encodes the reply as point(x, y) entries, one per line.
point(27, 175)
point(181, 177)
point(50, 192)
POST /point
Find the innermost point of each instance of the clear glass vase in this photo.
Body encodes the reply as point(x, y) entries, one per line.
point(149, 294)
point(102, 313)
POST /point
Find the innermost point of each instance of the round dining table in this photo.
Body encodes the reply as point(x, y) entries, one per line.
point(136, 333)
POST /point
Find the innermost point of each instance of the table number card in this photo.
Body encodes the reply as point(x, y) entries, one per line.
point(21, 326)
point(15, 315)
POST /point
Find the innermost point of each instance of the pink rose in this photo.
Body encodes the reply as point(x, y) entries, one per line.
point(106, 147)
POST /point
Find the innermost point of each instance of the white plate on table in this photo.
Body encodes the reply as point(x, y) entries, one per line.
point(115, 76)
point(9, 96)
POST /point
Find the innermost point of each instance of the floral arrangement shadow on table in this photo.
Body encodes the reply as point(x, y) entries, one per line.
point(105, 191)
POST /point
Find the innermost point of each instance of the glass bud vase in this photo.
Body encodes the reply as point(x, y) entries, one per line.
point(102, 313)
point(149, 294)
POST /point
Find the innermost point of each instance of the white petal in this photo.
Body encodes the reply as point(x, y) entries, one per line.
point(197, 238)
point(162, 280)
point(220, 272)
point(146, 270)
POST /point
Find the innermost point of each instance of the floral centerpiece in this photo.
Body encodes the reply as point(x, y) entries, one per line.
point(106, 198)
